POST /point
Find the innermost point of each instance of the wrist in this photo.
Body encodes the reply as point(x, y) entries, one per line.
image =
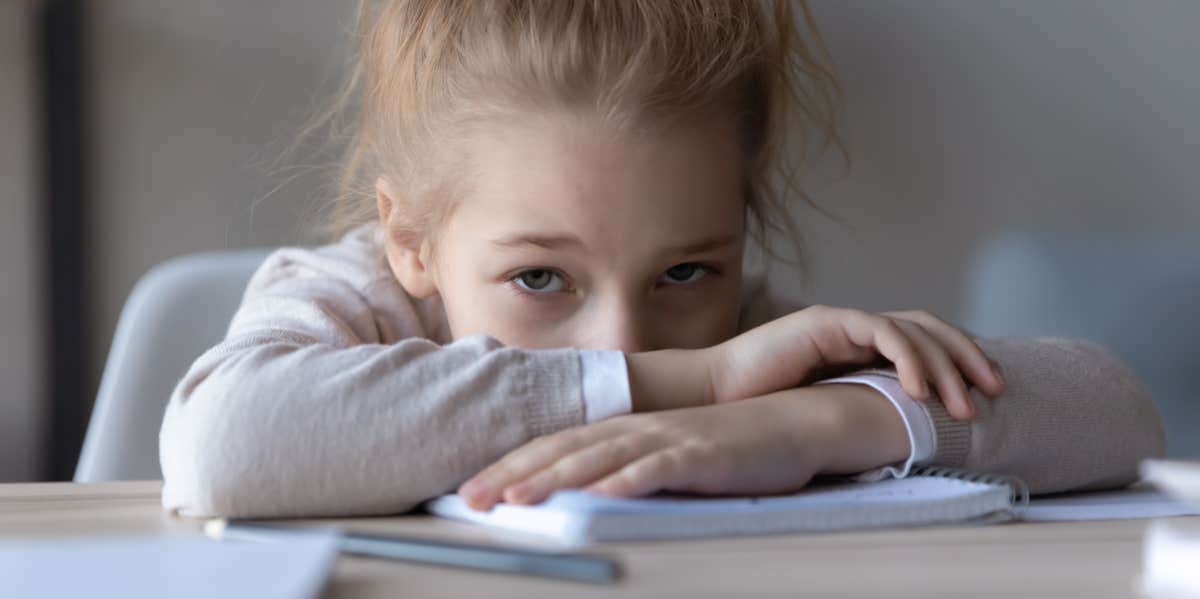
point(866, 430)
point(670, 378)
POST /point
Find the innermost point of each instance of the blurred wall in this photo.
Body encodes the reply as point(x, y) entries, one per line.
point(194, 102)
point(965, 119)
point(20, 423)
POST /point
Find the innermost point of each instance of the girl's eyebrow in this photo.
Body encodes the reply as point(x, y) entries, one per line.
point(704, 245)
point(551, 242)
point(543, 241)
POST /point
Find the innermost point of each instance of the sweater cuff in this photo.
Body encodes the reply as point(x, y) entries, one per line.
point(917, 423)
point(953, 436)
point(605, 384)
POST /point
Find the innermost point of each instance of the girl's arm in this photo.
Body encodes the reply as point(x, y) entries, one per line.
point(312, 407)
point(1073, 417)
point(268, 426)
point(769, 444)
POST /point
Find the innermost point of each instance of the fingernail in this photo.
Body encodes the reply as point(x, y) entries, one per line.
point(481, 507)
point(471, 488)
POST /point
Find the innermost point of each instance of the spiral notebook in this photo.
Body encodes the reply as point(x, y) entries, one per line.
point(930, 495)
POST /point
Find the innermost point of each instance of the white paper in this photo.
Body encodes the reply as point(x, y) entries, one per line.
point(135, 568)
point(1138, 502)
point(1177, 478)
point(1169, 557)
point(575, 517)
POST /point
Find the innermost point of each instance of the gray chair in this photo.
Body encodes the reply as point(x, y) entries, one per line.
point(1139, 297)
point(175, 312)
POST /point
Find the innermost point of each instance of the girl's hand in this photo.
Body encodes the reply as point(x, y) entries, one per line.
point(795, 349)
point(769, 444)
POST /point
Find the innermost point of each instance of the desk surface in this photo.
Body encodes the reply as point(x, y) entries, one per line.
point(1095, 559)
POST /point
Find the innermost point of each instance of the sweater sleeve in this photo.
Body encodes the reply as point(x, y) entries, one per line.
point(1073, 417)
point(303, 411)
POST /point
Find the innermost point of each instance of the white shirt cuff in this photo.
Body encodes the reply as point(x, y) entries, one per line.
point(605, 384)
point(921, 435)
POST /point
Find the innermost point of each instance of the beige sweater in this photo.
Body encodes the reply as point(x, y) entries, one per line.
point(336, 393)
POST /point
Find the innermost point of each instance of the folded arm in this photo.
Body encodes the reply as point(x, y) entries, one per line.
point(1072, 416)
point(310, 407)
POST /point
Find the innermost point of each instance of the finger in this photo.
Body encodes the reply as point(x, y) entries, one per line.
point(965, 352)
point(951, 387)
point(582, 467)
point(675, 469)
point(484, 490)
point(892, 343)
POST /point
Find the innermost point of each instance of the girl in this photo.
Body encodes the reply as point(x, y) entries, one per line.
point(546, 204)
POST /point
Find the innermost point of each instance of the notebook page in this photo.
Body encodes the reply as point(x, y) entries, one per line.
point(575, 516)
point(1108, 505)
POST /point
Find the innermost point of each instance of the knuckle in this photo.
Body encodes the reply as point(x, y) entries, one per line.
point(829, 315)
point(839, 318)
point(887, 325)
point(690, 454)
point(631, 475)
point(906, 326)
point(852, 313)
point(568, 463)
point(541, 448)
point(663, 465)
point(544, 443)
point(624, 446)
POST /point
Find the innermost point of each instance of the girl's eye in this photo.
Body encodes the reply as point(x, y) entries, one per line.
point(689, 272)
point(539, 280)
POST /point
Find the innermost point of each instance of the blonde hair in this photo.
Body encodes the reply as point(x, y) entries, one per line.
point(426, 71)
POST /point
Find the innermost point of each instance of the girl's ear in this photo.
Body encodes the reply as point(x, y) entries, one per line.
point(407, 254)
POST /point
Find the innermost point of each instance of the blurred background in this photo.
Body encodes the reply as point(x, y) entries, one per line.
point(1006, 155)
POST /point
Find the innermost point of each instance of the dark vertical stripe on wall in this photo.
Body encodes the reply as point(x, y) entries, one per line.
point(64, 208)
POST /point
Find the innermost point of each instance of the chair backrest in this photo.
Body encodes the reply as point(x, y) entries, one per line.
point(1139, 297)
point(174, 313)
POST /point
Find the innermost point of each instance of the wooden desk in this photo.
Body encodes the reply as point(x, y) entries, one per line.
point(1086, 559)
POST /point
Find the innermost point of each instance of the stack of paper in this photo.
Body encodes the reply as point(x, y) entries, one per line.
point(132, 568)
point(1178, 478)
point(1171, 553)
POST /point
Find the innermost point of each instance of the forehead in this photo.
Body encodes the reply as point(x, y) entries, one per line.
point(612, 188)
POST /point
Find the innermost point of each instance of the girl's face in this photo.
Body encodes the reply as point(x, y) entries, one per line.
point(577, 235)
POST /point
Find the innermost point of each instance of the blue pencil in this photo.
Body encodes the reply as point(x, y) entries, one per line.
point(568, 566)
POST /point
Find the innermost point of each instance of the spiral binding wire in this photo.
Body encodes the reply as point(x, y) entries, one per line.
point(1018, 490)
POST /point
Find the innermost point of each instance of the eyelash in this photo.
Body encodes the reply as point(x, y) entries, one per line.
point(519, 290)
point(515, 287)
